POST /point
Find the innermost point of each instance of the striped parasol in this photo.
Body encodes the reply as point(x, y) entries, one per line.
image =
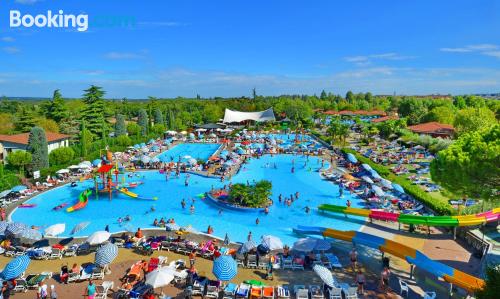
point(106, 254)
point(225, 268)
point(79, 227)
point(55, 229)
point(3, 226)
point(15, 228)
point(30, 235)
point(15, 267)
point(247, 246)
point(325, 275)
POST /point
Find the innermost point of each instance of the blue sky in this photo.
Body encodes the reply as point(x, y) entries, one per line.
point(225, 48)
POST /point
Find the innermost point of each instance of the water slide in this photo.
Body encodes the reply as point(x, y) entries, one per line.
point(133, 195)
point(411, 255)
point(463, 220)
point(83, 200)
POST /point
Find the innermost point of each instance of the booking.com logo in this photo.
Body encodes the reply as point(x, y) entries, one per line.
point(80, 22)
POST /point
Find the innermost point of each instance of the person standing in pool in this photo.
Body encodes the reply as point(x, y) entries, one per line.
point(348, 203)
point(280, 198)
point(307, 209)
point(257, 221)
point(249, 237)
point(191, 209)
point(107, 228)
point(183, 204)
point(293, 169)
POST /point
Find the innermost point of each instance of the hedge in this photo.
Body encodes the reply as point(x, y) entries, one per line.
point(439, 206)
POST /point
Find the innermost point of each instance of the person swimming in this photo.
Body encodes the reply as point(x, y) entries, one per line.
point(74, 184)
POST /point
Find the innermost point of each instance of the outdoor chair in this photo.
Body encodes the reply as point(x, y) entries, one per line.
point(404, 287)
point(55, 254)
point(252, 261)
point(283, 292)
point(335, 293)
point(351, 293)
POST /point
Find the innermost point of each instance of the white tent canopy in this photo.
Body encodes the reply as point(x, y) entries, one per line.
point(231, 116)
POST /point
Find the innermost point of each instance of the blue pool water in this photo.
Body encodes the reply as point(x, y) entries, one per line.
point(199, 151)
point(280, 221)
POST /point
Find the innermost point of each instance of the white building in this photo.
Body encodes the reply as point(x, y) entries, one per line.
point(11, 143)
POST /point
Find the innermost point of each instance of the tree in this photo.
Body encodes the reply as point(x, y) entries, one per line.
point(323, 95)
point(25, 120)
point(123, 140)
point(93, 112)
point(70, 126)
point(254, 93)
point(413, 109)
point(471, 165)
point(61, 156)
point(491, 288)
point(142, 121)
point(48, 125)
point(133, 129)
point(120, 127)
point(349, 96)
point(158, 117)
point(473, 119)
point(6, 123)
point(85, 140)
point(57, 108)
point(441, 114)
point(19, 159)
point(37, 146)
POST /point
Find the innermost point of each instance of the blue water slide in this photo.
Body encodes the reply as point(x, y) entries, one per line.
point(313, 230)
point(431, 266)
point(368, 240)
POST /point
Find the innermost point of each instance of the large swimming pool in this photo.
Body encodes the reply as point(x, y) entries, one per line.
point(280, 221)
point(199, 151)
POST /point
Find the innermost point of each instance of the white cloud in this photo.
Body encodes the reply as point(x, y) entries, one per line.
point(11, 50)
point(125, 55)
point(7, 39)
point(365, 60)
point(492, 53)
point(27, 1)
point(483, 49)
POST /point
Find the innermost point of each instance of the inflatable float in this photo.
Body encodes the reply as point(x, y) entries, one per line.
point(57, 208)
point(27, 205)
point(83, 200)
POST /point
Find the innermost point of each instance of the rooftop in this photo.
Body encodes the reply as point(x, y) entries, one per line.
point(23, 138)
point(431, 127)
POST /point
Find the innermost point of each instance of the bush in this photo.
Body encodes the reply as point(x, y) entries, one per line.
point(439, 206)
point(254, 196)
point(123, 140)
point(61, 156)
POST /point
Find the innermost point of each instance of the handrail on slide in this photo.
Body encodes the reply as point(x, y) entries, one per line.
point(463, 220)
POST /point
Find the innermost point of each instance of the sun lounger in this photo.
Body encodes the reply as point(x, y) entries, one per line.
point(140, 290)
point(351, 293)
point(212, 291)
point(256, 292)
point(55, 254)
point(102, 290)
point(301, 292)
point(21, 286)
point(73, 277)
point(298, 264)
point(153, 264)
point(263, 261)
point(287, 263)
point(199, 286)
point(334, 293)
point(316, 292)
point(334, 260)
point(229, 291)
point(243, 290)
point(252, 261)
point(268, 292)
point(283, 292)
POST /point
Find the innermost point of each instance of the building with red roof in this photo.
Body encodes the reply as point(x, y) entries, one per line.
point(434, 129)
point(11, 143)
